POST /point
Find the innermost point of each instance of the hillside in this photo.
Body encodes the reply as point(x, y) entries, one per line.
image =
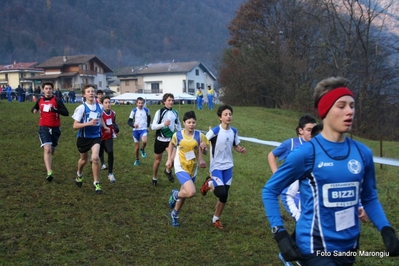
point(123, 32)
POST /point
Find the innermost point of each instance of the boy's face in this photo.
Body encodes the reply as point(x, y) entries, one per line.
point(190, 124)
point(47, 91)
point(99, 96)
point(88, 93)
point(306, 131)
point(169, 102)
point(107, 104)
point(140, 104)
point(226, 117)
point(340, 117)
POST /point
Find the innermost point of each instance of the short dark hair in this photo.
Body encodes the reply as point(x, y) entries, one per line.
point(222, 108)
point(189, 115)
point(306, 119)
point(166, 96)
point(47, 83)
point(316, 130)
point(100, 91)
point(105, 97)
point(140, 99)
point(87, 86)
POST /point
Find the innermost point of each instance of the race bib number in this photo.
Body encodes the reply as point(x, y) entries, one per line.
point(46, 108)
point(344, 219)
point(189, 155)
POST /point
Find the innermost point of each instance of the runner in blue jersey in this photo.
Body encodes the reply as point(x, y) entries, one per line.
point(88, 122)
point(334, 173)
point(290, 195)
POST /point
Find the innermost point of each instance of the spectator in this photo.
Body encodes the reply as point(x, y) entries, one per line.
point(58, 94)
point(72, 95)
point(20, 93)
point(211, 95)
point(9, 92)
point(200, 95)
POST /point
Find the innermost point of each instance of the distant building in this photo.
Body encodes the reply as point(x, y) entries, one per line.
point(74, 71)
point(113, 84)
point(175, 77)
point(19, 74)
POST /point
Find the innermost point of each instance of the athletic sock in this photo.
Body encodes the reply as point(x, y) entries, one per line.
point(214, 219)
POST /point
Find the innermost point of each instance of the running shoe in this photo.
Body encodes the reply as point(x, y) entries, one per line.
point(79, 180)
point(50, 177)
point(205, 187)
point(173, 198)
point(143, 154)
point(286, 263)
point(98, 188)
point(170, 176)
point(175, 219)
point(218, 224)
point(136, 162)
point(111, 178)
point(103, 167)
point(154, 182)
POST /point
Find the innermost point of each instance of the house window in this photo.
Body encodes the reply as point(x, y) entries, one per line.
point(154, 87)
point(197, 72)
point(100, 84)
point(126, 83)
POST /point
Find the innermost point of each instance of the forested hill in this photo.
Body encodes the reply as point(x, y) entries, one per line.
point(122, 32)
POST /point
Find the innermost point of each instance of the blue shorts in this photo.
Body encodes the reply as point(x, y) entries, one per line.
point(138, 134)
point(183, 177)
point(222, 177)
point(49, 135)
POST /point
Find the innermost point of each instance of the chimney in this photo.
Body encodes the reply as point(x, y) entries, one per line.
point(65, 59)
point(15, 62)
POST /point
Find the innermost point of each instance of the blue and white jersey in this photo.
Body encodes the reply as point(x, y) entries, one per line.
point(222, 143)
point(140, 117)
point(85, 113)
point(333, 178)
point(286, 147)
point(290, 195)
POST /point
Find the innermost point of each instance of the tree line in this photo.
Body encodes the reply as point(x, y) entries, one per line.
point(279, 50)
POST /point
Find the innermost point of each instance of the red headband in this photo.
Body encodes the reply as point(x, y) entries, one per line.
point(327, 100)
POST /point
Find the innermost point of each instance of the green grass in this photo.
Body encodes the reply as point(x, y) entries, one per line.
point(57, 223)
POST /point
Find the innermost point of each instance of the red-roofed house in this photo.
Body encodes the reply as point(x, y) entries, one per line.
point(74, 71)
point(19, 74)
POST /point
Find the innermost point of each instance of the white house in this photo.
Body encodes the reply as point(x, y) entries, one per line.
point(175, 77)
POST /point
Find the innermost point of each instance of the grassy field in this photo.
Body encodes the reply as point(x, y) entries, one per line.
point(57, 223)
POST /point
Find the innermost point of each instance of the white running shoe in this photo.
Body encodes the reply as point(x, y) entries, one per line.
point(103, 167)
point(111, 178)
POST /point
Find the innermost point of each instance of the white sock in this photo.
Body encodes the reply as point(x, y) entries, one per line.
point(95, 183)
point(214, 219)
point(154, 178)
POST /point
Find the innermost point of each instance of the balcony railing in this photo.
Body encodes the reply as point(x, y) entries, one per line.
point(87, 72)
